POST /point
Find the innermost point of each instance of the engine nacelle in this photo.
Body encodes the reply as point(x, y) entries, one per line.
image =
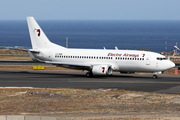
point(102, 70)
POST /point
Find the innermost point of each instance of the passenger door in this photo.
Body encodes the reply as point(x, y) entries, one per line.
point(148, 60)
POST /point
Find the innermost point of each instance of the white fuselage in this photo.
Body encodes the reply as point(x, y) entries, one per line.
point(120, 60)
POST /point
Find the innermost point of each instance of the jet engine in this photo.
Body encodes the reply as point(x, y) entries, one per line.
point(102, 70)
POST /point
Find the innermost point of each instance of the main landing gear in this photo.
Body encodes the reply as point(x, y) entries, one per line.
point(89, 74)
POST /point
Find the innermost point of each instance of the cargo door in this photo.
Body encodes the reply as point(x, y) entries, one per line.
point(50, 56)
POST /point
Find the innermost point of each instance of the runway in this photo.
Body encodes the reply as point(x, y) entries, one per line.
point(77, 79)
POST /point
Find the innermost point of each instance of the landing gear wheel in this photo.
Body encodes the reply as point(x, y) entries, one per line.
point(155, 77)
point(89, 74)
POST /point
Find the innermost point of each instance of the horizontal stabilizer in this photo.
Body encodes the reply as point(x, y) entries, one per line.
point(32, 56)
point(34, 51)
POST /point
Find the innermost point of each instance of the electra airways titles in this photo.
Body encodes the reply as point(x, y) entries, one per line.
point(95, 61)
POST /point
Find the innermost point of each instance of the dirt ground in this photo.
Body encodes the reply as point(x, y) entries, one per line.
point(100, 103)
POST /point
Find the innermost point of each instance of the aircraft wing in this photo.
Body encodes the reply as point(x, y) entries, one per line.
point(71, 65)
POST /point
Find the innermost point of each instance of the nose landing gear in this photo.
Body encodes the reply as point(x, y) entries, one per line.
point(155, 74)
point(155, 77)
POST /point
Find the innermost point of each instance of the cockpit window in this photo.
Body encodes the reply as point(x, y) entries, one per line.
point(158, 58)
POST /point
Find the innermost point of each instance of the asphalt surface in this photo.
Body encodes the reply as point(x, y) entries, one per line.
point(77, 79)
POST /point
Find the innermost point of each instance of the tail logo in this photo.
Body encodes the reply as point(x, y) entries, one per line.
point(38, 31)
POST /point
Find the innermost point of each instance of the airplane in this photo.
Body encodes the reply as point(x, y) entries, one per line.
point(95, 61)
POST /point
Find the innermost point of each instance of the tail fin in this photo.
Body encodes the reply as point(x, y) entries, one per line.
point(38, 38)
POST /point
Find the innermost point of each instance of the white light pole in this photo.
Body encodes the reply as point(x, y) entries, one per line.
point(66, 42)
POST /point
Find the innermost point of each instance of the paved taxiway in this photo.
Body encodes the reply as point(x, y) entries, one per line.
point(60, 79)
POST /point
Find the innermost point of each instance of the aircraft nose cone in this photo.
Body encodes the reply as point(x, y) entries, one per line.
point(171, 65)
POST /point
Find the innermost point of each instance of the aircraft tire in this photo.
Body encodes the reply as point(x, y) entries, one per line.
point(89, 74)
point(155, 77)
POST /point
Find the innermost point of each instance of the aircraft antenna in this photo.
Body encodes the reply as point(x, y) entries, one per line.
point(166, 46)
